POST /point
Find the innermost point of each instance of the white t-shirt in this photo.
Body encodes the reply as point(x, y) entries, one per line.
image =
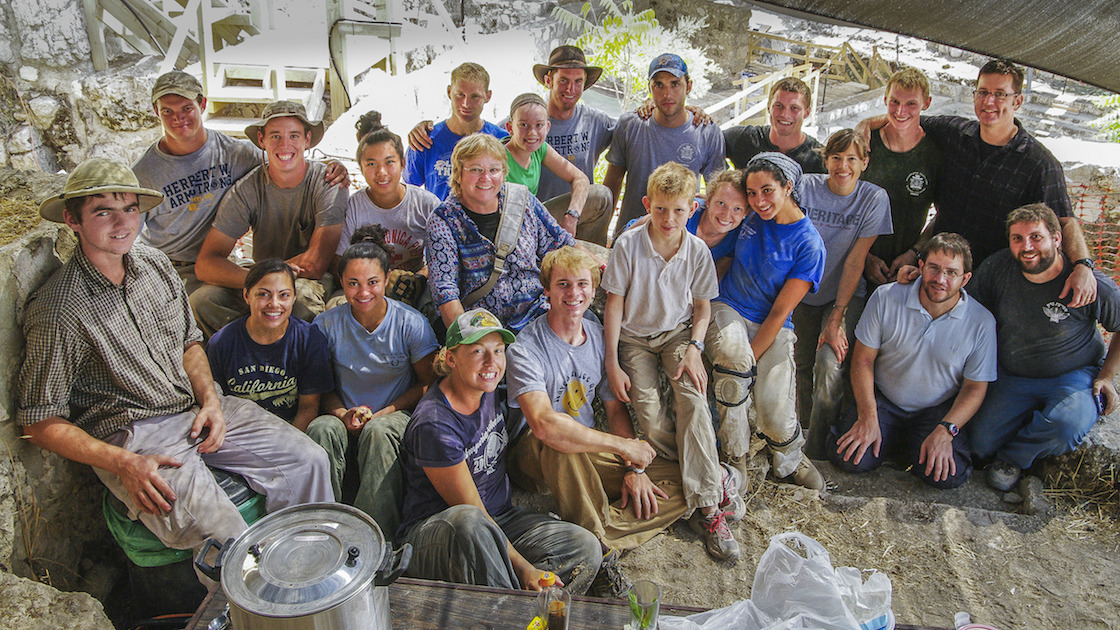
point(406, 225)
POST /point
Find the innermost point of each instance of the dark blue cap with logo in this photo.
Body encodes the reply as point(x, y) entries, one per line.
point(668, 62)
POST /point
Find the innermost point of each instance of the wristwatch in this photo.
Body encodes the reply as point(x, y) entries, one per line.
point(699, 344)
point(572, 213)
point(1088, 262)
point(952, 428)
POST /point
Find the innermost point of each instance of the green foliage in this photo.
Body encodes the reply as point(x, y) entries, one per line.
point(1110, 122)
point(623, 43)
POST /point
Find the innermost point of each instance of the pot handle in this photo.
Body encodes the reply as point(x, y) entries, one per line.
point(394, 566)
point(213, 572)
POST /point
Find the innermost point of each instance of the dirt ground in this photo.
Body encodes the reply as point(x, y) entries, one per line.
point(944, 551)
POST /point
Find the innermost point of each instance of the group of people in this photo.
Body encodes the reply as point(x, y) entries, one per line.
point(433, 328)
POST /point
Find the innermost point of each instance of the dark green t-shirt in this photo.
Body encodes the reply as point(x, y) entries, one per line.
point(910, 180)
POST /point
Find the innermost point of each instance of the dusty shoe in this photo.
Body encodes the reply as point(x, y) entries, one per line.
point(1003, 476)
point(806, 475)
point(717, 536)
point(610, 582)
point(731, 503)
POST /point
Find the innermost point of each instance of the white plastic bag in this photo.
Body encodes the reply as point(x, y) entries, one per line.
point(799, 586)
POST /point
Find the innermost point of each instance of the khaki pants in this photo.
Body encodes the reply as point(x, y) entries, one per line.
point(774, 396)
point(596, 215)
point(587, 488)
point(728, 348)
point(689, 438)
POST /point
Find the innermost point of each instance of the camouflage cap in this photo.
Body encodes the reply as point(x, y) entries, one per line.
point(178, 83)
point(281, 109)
point(94, 177)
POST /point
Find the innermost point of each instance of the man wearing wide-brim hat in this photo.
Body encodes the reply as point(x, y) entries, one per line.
point(116, 377)
point(194, 167)
point(295, 215)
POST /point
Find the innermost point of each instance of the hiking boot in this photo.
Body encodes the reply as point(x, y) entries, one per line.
point(610, 582)
point(1003, 476)
point(732, 503)
point(717, 536)
point(806, 475)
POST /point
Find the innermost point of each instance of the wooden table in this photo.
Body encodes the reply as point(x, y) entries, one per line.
point(426, 605)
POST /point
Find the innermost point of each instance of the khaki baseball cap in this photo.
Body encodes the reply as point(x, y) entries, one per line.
point(94, 177)
point(280, 109)
point(178, 83)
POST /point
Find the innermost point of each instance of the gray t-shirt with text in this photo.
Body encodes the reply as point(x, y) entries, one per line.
point(192, 187)
point(406, 226)
point(581, 140)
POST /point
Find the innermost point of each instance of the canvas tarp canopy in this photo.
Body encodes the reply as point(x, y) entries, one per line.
point(1079, 39)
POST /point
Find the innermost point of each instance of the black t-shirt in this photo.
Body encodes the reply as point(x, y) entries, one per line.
point(1038, 335)
point(746, 141)
point(487, 223)
point(911, 180)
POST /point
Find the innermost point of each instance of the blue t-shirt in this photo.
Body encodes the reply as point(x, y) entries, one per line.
point(440, 437)
point(431, 168)
point(726, 247)
point(766, 255)
point(273, 376)
point(374, 368)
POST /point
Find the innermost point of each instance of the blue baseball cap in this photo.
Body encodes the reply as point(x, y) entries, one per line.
point(668, 62)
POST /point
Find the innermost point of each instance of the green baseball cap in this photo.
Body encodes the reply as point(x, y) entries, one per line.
point(94, 177)
point(178, 83)
point(280, 109)
point(473, 325)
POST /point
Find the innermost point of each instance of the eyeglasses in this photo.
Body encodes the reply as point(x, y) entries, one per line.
point(936, 270)
point(477, 171)
point(982, 95)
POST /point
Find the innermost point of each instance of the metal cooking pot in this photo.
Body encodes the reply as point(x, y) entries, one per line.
point(315, 566)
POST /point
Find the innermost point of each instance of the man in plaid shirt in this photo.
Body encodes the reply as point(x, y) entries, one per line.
point(992, 166)
point(116, 377)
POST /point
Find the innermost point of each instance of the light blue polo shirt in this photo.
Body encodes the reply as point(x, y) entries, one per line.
point(922, 361)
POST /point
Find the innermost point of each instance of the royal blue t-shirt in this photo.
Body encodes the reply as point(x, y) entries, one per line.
point(726, 247)
point(276, 375)
point(440, 437)
point(431, 168)
point(766, 255)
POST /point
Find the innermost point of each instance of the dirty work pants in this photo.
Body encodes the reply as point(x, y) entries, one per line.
point(594, 219)
point(821, 380)
point(727, 346)
point(216, 306)
point(462, 545)
point(381, 489)
point(587, 488)
point(902, 432)
point(1023, 419)
point(275, 458)
point(689, 437)
point(774, 409)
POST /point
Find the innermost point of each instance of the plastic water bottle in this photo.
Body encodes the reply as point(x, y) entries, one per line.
point(553, 603)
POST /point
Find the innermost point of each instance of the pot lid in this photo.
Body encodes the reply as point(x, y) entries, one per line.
point(302, 560)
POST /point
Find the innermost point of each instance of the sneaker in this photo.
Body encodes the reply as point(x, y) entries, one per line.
point(610, 582)
point(1003, 476)
point(717, 536)
point(806, 475)
point(732, 504)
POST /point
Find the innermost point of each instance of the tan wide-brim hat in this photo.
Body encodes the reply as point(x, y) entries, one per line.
point(280, 109)
point(94, 177)
point(568, 57)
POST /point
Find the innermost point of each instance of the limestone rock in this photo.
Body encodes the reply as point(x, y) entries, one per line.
point(44, 110)
point(29, 73)
point(25, 161)
point(28, 604)
point(22, 141)
point(51, 33)
point(120, 99)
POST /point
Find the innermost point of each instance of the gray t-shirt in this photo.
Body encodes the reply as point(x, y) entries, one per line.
point(922, 362)
point(571, 376)
point(406, 226)
point(640, 146)
point(1040, 336)
point(581, 140)
point(282, 219)
point(192, 186)
point(866, 211)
